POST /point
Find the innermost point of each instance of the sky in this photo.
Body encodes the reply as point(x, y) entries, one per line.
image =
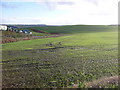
point(59, 12)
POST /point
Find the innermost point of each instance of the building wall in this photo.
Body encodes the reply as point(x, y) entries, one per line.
point(3, 27)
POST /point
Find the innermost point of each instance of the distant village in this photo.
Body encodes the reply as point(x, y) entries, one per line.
point(13, 29)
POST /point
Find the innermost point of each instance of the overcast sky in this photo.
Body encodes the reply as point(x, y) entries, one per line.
point(59, 12)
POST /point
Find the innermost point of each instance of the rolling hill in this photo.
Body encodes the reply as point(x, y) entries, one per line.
point(83, 57)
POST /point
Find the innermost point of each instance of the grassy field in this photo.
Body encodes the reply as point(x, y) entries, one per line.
point(85, 54)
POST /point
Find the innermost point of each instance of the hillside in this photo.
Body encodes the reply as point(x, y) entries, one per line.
point(73, 29)
point(86, 56)
point(8, 36)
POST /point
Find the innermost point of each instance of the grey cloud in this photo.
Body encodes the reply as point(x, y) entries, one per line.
point(65, 3)
point(7, 5)
point(95, 2)
point(101, 14)
point(52, 4)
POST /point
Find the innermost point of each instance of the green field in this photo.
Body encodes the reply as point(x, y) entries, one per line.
point(84, 54)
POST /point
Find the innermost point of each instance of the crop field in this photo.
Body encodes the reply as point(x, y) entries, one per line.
point(84, 54)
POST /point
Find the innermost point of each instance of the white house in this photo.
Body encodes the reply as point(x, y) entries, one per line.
point(30, 32)
point(3, 27)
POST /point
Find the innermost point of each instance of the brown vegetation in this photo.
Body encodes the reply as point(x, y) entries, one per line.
point(11, 39)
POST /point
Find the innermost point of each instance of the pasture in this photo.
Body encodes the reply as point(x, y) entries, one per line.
point(86, 53)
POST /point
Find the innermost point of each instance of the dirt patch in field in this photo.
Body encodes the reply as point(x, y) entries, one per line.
point(103, 82)
point(100, 83)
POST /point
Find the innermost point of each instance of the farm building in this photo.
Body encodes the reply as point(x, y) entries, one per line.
point(19, 31)
point(24, 31)
point(3, 27)
point(11, 28)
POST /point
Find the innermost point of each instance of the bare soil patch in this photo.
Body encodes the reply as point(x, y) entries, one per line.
point(103, 82)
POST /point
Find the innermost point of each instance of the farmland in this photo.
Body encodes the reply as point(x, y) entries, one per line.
point(84, 54)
